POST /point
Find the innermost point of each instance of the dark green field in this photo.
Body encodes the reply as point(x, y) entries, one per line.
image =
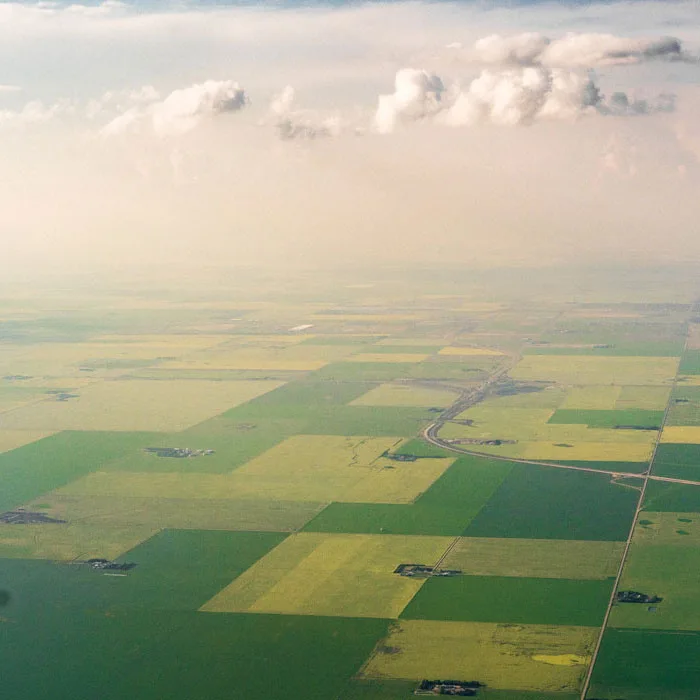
point(690, 362)
point(550, 503)
point(77, 653)
point(642, 665)
point(630, 418)
point(679, 461)
point(672, 498)
point(55, 461)
point(446, 508)
point(510, 599)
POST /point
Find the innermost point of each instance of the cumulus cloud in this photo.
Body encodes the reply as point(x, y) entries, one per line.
point(574, 50)
point(36, 112)
point(182, 110)
point(417, 94)
point(294, 123)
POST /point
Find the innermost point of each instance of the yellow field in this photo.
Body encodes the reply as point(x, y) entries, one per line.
point(454, 350)
point(323, 574)
point(282, 356)
point(387, 357)
point(65, 542)
point(405, 395)
point(681, 433)
point(133, 405)
point(694, 336)
point(66, 359)
point(581, 369)
point(575, 559)
point(412, 342)
point(113, 512)
point(381, 318)
point(501, 655)
point(318, 468)
point(587, 451)
point(11, 439)
point(597, 398)
point(649, 398)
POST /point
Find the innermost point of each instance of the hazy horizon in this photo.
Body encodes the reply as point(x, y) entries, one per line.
point(408, 133)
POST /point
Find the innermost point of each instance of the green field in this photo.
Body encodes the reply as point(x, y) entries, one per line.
point(550, 503)
point(685, 406)
point(118, 655)
point(673, 498)
point(511, 599)
point(690, 362)
point(630, 418)
point(647, 665)
point(677, 460)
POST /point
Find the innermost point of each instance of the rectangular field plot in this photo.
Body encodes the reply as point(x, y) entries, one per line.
point(115, 513)
point(677, 460)
point(679, 434)
point(638, 419)
point(648, 398)
point(672, 498)
point(399, 357)
point(226, 655)
point(65, 542)
point(575, 369)
point(406, 395)
point(690, 363)
point(131, 405)
point(549, 503)
point(527, 657)
point(685, 406)
point(677, 529)
point(321, 574)
point(593, 398)
point(470, 351)
point(647, 665)
point(667, 571)
point(566, 559)
point(510, 599)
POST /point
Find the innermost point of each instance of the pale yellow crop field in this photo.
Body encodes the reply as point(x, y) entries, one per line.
point(471, 351)
point(413, 342)
point(317, 468)
point(587, 451)
point(597, 398)
point(499, 655)
point(107, 512)
point(137, 405)
point(571, 559)
point(282, 356)
point(582, 369)
point(689, 380)
point(649, 398)
point(406, 395)
point(65, 542)
point(67, 359)
point(681, 433)
point(387, 357)
point(328, 574)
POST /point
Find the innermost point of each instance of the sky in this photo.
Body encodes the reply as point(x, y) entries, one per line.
point(278, 134)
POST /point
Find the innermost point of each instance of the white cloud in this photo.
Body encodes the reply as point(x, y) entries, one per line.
point(181, 111)
point(294, 123)
point(417, 94)
point(573, 50)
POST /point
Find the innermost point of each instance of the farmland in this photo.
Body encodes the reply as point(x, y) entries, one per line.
point(252, 467)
